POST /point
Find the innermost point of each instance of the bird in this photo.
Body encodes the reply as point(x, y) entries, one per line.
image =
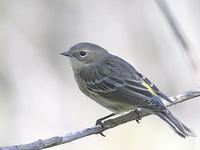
point(118, 86)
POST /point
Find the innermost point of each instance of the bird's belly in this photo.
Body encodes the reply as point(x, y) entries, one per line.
point(114, 106)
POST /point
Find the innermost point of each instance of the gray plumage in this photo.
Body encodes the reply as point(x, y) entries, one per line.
point(116, 85)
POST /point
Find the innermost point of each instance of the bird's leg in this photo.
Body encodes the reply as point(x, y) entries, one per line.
point(138, 110)
point(99, 122)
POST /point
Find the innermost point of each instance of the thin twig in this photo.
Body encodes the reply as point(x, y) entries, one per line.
point(173, 23)
point(58, 140)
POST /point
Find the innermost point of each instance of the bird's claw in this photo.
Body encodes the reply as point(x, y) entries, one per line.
point(138, 120)
point(99, 122)
point(138, 116)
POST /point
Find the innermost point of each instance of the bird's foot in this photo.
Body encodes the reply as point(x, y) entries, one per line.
point(99, 122)
point(139, 118)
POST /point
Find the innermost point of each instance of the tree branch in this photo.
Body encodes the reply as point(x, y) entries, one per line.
point(58, 140)
point(179, 34)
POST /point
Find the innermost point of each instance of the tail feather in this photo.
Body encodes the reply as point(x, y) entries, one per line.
point(175, 124)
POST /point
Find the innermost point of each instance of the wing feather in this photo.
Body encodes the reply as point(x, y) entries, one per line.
point(156, 90)
point(114, 85)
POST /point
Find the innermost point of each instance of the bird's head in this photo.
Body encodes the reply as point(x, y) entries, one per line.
point(83, 54)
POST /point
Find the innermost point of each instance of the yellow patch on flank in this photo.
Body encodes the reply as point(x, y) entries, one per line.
point(149, 88)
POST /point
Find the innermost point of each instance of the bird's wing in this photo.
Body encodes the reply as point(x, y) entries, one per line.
point(118, 81)
point(154, 88)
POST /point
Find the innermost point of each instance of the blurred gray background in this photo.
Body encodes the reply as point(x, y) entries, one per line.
point(38, 94)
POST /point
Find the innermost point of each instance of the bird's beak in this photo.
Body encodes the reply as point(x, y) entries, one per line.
point(66, 54)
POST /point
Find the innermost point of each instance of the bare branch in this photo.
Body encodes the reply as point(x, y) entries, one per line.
point(58, 140)
point(179, 34)
point(173, 23)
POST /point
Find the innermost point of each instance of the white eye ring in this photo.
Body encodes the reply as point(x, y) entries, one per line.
point(83, 53)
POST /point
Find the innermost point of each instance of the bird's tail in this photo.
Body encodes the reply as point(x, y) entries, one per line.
point(175, 124)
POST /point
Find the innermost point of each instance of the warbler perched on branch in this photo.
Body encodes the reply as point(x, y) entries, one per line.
point(115, 84)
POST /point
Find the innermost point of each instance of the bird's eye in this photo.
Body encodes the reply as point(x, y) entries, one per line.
point(83, 53)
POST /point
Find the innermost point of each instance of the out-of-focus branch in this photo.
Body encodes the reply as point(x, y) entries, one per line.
point(179, 34)
point(173, 23)
point(58, 140)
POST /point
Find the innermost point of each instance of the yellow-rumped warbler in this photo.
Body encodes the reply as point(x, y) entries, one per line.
point(115, 84)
